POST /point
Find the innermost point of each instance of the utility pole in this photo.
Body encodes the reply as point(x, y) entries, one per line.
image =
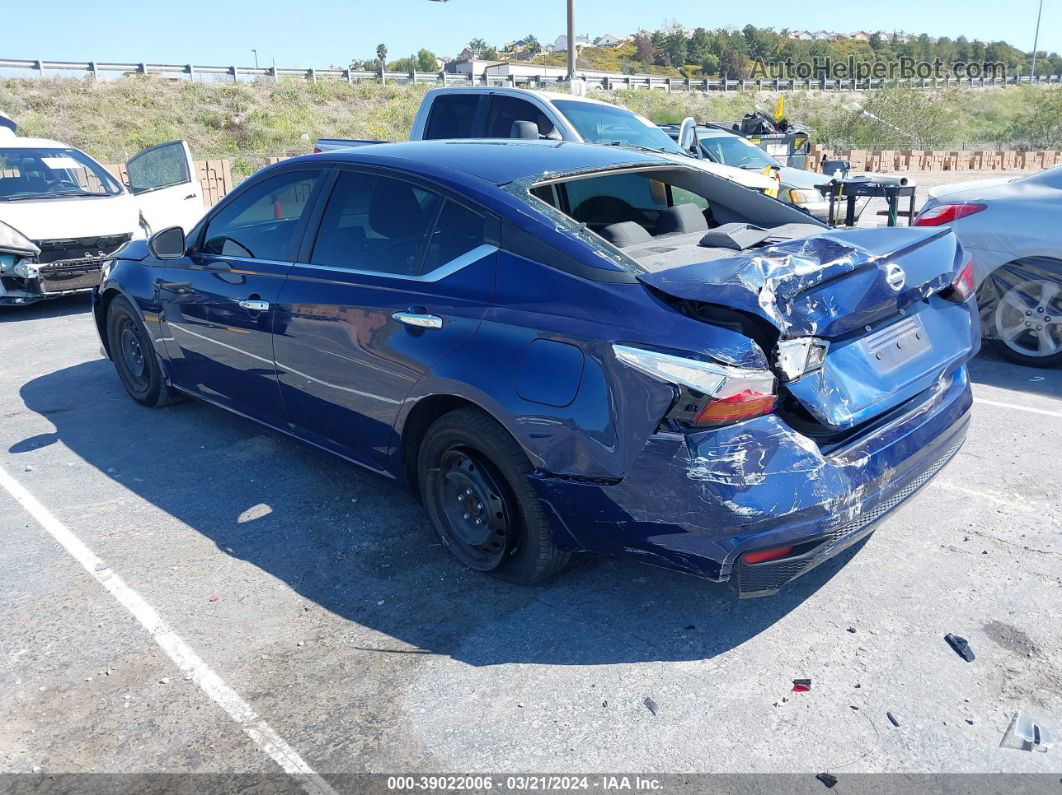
point(571, 41)
point(1036, 42)
point(255, 57)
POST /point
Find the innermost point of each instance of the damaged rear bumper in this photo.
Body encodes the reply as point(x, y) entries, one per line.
point(697, 503)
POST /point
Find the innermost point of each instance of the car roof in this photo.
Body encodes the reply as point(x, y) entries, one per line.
point(16, 142)
point(512, 91)
point(500, 161)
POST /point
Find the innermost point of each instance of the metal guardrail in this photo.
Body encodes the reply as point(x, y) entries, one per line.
point(592, 80)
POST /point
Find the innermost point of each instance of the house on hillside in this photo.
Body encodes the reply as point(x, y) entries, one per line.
point(561, 43)
point(611, 40)
point(860, 35)
point(801, 35)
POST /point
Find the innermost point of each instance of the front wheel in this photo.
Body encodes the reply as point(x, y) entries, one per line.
point(474, 484)
point(1024, 318)
point(134, 356)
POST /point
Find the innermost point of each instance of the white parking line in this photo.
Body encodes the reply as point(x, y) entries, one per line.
point(1016, 407)
point(260, 733)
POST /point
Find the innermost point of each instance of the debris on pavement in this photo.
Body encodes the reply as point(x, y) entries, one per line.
point(215, 597)
point(1024, 734)
point(892, 719)
point(852, 630)
point(801, 685)
point(650, 705)
point(961, 647)
point(828, 779)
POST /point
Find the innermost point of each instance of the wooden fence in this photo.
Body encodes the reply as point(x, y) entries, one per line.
point(888, 160)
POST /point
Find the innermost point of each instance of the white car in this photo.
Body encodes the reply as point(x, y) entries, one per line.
point(77, 214)
point(1013, 230)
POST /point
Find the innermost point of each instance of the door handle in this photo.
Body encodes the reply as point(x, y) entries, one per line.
point(189, 196)
point(418, 320)
point(255, 306)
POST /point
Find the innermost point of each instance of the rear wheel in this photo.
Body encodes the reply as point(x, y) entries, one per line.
point(134, 356)
point(1024, 316)
point(473, 483)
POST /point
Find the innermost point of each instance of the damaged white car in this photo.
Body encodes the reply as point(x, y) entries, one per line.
point(74, 213)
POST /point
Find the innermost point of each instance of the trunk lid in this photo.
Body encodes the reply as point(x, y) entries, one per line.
point(867, 291)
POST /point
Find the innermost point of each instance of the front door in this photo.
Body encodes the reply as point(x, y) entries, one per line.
point(166, 184)
point(218, 302)
point(399, 275)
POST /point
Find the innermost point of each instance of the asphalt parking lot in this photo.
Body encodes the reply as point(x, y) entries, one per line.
point(318, 596)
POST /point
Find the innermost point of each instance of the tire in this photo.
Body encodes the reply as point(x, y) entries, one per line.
point(474, 484)
point(1022, 315)
point(134, 356)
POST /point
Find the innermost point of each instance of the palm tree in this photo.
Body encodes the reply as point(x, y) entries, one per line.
point(476, 46)
point(531, 44)
point(381, 57)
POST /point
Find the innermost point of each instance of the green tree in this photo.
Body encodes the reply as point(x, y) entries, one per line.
point(381, 54)
point(532, 45)
point(477, 46)
point(710, 65)
point(426, 61)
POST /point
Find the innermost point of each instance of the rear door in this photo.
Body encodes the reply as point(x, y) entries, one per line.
point(218, 301)
point(165, 181)
point(399, 275)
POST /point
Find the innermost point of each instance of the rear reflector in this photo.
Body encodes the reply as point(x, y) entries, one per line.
point(946, 214)
point(742, 406)
point(765, 555)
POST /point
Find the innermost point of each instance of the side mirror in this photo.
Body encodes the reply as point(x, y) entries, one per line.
point(524, 129)
point(167, 243)
point(687, 138)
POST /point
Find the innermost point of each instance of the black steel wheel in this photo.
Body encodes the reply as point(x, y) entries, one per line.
point(134, 357)
point(473, 480)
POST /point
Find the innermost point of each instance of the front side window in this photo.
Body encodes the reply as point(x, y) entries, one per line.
point(377, 224)
point(452, 116)
point(611, 125)
point(40, 173)
point(737, 152)
point(262, 221)
point(159, 167)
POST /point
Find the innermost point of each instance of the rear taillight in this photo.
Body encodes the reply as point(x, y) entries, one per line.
point(946, 213)
point(962, 287)
point(742, 406)
point(710, 394)
point(316, 150)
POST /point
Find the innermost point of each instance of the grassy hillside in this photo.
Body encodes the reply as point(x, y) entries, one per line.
point(113, 119)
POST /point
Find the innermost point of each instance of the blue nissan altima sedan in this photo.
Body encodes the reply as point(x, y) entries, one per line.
point(563, 347)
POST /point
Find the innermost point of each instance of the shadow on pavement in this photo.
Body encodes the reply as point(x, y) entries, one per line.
point(349, 540)
point(53, 307)
point(991, 369)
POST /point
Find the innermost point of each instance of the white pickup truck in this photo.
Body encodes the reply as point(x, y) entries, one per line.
point(68, 213)
point(521, 113)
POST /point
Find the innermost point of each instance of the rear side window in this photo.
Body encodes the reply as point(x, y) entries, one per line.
point(375, 223)
point(458, 231)
point(505, 110)
point(261, 222)
point(453, 116)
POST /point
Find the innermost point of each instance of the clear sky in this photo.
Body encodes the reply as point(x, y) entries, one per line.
point(322, 32)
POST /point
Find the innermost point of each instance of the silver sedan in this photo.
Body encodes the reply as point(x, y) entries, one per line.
point(1013, 230)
